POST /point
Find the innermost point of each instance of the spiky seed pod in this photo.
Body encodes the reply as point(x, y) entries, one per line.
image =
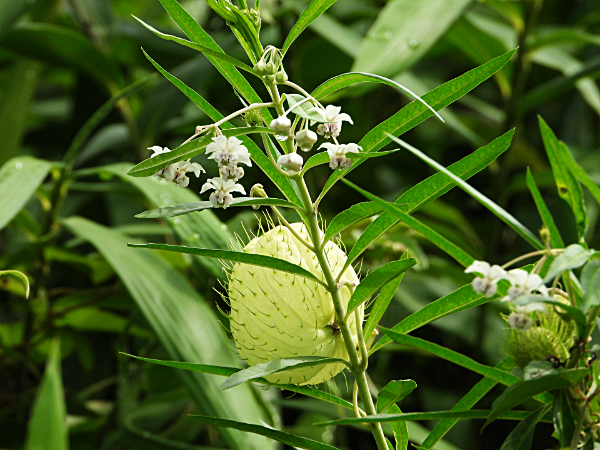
point(552, 335)
point(279, 315)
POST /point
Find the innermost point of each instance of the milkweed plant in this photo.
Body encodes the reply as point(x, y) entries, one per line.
point(298, 310)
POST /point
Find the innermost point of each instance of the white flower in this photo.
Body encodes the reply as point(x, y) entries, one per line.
point(524, 283)
point(158, 150)
point(223, 188)
point(306, 139)
point(490, 275)
point(520, 321)
point(337, 154)
point(333, 120)
point(228, 151)
point(176, 172)
point(231, 172)
point(281, 126)
point(292, 163)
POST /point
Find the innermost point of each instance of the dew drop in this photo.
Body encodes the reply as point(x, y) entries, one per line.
point(176, 222)
point(413, 43)
point(18, 166)
point(196, 236)
point(163, 195)
point(166, 201)
point(223, 227)
point(389, 36)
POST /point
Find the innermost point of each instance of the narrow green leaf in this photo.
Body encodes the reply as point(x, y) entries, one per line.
point(303, 110)
point(382, 302)
point(14, 193)
point(580, 174)
point(441, 242)
point(590, 282)
point(388, 49)
point(400, 429)
point(188, 150)
point(500, 212)
point(240, 257)
point(437, 415)
point(179, 317)
point(228, 371)
point(196, 34)
point(276, 365)
point(20, 275)
point(517, 394)
point(430, 189)
point(376, 280)
point(547, 219)
point(347, 79)
point(47, 427)
point(568, 187)
point(286, 438)
point(393, 392)
point(201, 48)
point(564, 422)
point(414, 113)
point(185, 208)
point(472, 397)
point(353, 215)
point(524, 429)
point(312, 12)
point(573, 257)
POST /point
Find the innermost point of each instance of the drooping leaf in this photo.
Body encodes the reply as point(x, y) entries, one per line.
point(547, 219)
point(472, 397)
point(351, 216)
point(389, 49)
point(240, 257)
point(14, 193)
point(414, 113)
point(393, 392)
point(376, 280)
point(441, 242)
point(432, 188)
point(523, 432)
point(568, 187)
point(274, 366)
point(180, 319)
point(201, 48)
point(228, 371)
point(286, 438)
point(20, 275)
point(517, 394)
point(573, 257)
point(185, 208)
point(564, 422)
point(47, 427)
point(590, 282)
point(497, 210)
point(312, 12)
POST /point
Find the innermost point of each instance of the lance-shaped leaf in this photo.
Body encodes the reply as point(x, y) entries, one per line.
point(393, 392)
point(303, 109)
point(414, 113)
point(201, 48)
point(324, 158)
point(547, 219)
point(14, 193)
point(564, 421)
point(568, 187)
point(277, 365)
point(376, 280)
point(239, 257)
point(580, 174)
point(20, 275)
point(432, 188)
point(523, 432)
point(308, 16)
point(496, 209)
point(436, 415)
point(185, 208)
point(228, 371)
point(347, 79)
point(351, 216)
point(441, 242)
point(573, 257)
point(286, 438)
point(47, 427)
point(524, 390)
point(590, 282)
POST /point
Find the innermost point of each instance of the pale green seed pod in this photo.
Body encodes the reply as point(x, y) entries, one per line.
point(279, 315)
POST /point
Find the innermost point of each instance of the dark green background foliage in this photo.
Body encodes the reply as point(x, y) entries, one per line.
point(93, 297)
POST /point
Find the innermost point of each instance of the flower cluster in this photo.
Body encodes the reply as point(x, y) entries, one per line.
point(176, 172)
point(522, 283)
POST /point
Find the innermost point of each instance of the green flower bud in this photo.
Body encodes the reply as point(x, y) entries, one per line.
point(270, 68)
point(253, 118)
point(277, 315)
point(260, 67)
point(281, 77)
point(270, 79)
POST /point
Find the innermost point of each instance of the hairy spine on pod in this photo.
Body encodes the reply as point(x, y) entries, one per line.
point(279, 315)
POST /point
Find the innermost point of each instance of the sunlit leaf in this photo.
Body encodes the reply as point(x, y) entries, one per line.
point(573, 257)
point(20, 275)
point(590, 281)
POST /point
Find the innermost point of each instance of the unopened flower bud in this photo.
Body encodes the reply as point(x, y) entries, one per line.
point(270, 68)
point(253, 117)
point(545, 235)
point(281, 126)
point(281, 77)
point(260, 67)
point(292, 162)
point(257, 191)
point(270, 79)
point(306, 139)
